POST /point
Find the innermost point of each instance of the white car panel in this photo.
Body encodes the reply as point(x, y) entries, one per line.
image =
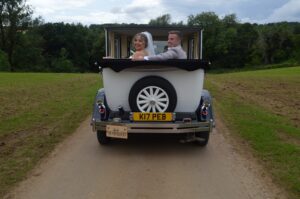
point(188, 85)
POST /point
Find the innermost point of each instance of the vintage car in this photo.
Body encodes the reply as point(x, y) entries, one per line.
point(157, 97)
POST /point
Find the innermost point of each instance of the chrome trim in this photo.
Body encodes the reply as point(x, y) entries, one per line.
point(156, 127)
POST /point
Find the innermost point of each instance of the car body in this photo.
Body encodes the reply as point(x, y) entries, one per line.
point(152, 96)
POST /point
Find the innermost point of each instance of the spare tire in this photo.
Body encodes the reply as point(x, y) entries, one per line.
point(152, 94)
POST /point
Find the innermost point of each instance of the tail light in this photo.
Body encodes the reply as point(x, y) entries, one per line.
point(102, 110)
point(204, 110)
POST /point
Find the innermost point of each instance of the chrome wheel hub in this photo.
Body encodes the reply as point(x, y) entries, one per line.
point(152, 99)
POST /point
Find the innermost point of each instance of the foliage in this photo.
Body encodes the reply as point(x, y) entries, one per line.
point(161, 20)
point(28, 54)
point(275, 40)
point(96, 43)
point(32, 45)
point(215, 43)
point(231, 44)
point(14, 18)
point(62, 64)
point(164, 20)
point(79, 43)
point(4, 64)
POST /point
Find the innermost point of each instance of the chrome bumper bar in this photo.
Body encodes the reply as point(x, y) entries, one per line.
point(156, 127)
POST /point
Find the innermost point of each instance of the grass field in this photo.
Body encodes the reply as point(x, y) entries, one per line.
point(37, 112)
point(40, 110)
point(263, 108)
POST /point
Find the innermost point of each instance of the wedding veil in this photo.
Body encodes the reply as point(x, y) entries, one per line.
point(150, 47)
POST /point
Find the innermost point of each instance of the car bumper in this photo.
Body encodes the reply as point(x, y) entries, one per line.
point(156, 127)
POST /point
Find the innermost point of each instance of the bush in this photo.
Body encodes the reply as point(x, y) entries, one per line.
point(4, 64)
point(62, 63)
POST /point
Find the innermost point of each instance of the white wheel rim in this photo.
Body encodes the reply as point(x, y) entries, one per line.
point(152, 99)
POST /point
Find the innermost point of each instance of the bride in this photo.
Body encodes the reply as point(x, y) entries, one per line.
point(143, 45)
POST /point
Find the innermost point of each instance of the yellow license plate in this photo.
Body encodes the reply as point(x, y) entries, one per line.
point(116, 131)
point(150, 117)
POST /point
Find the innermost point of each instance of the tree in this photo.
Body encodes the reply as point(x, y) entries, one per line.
point(96, 44)
point(14, 18)
point(4, 65)
point(296, 42)
point(73, 38)
point(242, 45)
point(62, 63)
point(28, 53)
point(230, 20)
point(227, 43)
point(204, 20)
point(275, 42)
point(161, 20)
point(213, 34)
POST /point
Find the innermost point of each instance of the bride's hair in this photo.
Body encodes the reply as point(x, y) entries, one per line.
point(143, 37)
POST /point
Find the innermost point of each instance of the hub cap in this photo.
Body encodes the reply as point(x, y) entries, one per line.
point(152, 99)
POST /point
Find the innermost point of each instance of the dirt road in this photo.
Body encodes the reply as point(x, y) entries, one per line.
point(144, 167)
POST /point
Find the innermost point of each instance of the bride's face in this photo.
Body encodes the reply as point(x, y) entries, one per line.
point(139, 43)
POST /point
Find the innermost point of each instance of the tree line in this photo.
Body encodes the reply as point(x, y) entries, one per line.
point(231, 44)
point(28, 44)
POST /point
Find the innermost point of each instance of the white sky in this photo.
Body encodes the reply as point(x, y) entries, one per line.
point(142, 11)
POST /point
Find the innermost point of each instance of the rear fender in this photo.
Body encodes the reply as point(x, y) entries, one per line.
point(100, 98)
point(206, 99)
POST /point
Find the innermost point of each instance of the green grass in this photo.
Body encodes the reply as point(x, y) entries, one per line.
point(40, 110)
point(37, 112)
point(263, 108)
point(255, 68)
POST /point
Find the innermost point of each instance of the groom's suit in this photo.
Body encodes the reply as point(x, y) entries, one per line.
point(172, 53)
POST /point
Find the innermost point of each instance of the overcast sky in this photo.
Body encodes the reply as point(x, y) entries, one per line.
point(141, 11)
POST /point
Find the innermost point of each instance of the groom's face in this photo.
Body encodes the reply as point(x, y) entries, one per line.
point(173, 40)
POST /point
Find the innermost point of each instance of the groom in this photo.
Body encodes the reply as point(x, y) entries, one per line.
point(174, 51)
